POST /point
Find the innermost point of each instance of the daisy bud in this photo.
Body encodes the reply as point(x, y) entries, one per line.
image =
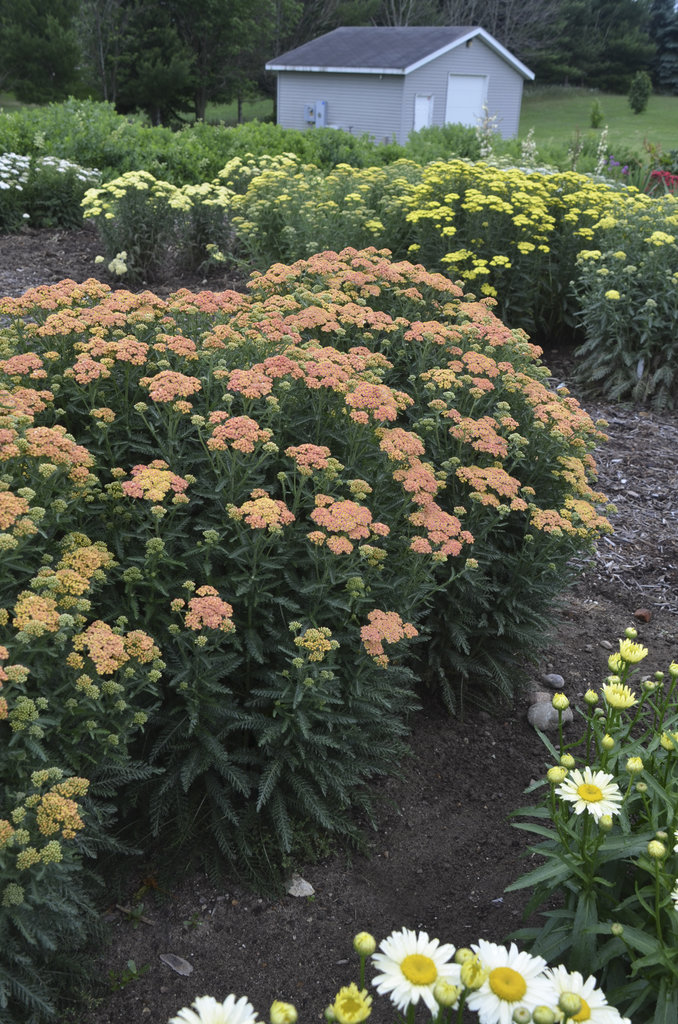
point(673, 669)
point(634, 765)
point(521, 1015)
point(282, 1013)
point(662, 836)
point(473, 974)
point(631, 633)
point(330, 1015)
point(667, 741)
point(617, 929)
point(605, 822)
point(446, 994)
point(659, 676)
point(656, 850)
point(560, 702)
point(641, 787)
point(364, 944)
point(607, 742)
point(556, 774)
point(570, 1003)
point(462, 954)
point(591, 697)
point(543, 1015)
point(649, 685)
point(567, 761)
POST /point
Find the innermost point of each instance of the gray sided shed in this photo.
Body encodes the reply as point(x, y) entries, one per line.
point(389, 82)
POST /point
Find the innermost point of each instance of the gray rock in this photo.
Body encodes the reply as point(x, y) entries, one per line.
point(544, 716)
point(541, 697)
point(553, 680)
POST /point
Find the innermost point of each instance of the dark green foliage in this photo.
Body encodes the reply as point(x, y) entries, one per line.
point(39, 50)
point(664, 30)
point(640, 92)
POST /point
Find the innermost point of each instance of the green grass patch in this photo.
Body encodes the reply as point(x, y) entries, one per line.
point(258, 109)
point(558, 113)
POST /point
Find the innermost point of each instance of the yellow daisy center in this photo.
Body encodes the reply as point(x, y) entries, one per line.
point(419, 969)
point(587, 791)
point(584, 1013)
point(508, 984)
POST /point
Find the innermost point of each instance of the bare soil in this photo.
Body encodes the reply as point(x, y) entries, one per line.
point(444, 849)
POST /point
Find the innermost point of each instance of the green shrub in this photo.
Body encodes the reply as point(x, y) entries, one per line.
point(626, 290)
point(597, 116)
point(640, 91)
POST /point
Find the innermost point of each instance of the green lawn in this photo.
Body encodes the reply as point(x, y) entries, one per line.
point(256, 109)
point(556, 114)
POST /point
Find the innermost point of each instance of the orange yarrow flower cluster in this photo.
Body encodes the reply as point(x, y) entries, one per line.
point(384, 627)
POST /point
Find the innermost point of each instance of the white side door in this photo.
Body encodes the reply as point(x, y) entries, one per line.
point(423, 111)
point(466, 96)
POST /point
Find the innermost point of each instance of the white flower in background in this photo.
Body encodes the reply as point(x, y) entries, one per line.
point(411, 964)
point(206, 1010)
point(591, 791)
point(515, 980)
point(594, 1005)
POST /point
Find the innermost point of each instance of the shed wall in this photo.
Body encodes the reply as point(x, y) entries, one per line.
point(357, 103)
point(504, 94)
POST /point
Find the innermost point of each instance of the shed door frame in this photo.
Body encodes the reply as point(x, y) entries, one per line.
point(473, 92)
point(423, 111)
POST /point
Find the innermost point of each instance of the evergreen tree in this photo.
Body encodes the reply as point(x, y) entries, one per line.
point(39, 49)
point(664, 32)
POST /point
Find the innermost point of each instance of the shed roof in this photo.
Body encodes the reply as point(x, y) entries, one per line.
point(385, 50)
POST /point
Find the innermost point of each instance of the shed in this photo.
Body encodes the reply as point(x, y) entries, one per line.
point(389, 82)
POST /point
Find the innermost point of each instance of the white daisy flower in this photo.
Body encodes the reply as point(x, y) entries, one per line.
point(674, 895)
point(591, 791)
point(209, 1011)
point(594, 1005)
point(675, 836)
point(411, 965)
point(515, 980)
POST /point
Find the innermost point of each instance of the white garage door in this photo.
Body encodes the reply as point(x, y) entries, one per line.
point(466, 95)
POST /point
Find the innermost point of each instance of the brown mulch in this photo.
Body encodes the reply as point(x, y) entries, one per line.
point(444, 850)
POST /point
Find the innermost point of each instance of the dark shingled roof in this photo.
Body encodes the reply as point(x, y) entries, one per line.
point(391, 50)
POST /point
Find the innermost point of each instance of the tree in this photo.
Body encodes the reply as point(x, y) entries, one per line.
point(154, 66)
point(39, 49)
point(101, 26)
point(597, 43)
point(664, 32)
point(522, 26)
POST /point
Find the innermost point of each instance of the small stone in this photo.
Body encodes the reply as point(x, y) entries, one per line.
point(544, 717)
point(177, 963)
point(642, 614)
point(606, 644)
point(300, 887)
point(553, 680)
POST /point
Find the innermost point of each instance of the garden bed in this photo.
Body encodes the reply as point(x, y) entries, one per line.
point(444, 851)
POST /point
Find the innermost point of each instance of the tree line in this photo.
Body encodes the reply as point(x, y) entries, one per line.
point(172, 57)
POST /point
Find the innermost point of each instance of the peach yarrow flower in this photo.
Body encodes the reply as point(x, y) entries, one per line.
point(207, 609)
point(384, 627)
point(154, 481)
